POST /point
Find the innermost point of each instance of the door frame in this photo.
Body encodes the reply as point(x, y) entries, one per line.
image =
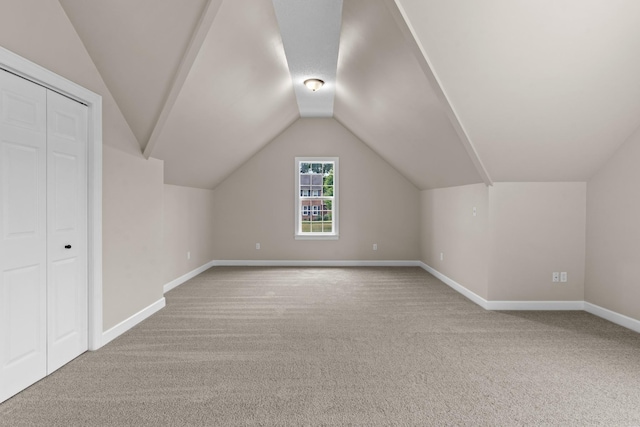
point(22, 67)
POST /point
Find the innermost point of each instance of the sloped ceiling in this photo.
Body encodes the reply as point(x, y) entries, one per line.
point(383, 97)
point(449, 93)
point(237, 97)
point(137, 46)
point(547, 89)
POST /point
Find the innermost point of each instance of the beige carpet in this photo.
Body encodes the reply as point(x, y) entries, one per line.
point(343, 346)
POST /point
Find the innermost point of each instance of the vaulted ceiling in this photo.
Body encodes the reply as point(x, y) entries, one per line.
point(449, 93)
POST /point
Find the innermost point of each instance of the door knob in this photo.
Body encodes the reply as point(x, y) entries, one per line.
point(67, 246)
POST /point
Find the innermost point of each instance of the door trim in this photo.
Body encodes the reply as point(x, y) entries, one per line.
point(22, 67)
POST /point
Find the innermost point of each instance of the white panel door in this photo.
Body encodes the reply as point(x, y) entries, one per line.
point(23, 234)
point(67, 230)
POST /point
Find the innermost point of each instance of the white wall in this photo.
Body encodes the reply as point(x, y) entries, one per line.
point(132, 235)
point(255, 204)
point(188, 227)
point(521, 234)
point(536, 229)
point(40, 31)
point(613, 232)
point(448, 226)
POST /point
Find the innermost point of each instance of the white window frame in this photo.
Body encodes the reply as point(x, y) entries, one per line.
point(299, 235)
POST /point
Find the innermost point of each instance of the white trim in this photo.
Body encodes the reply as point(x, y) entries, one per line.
point(35, 73)
point(313, 263)
point(404, 24)
point(125, 325)
point(186, 64)
point(504, 305)
point(535, 305)
point(190, 275)
point(456, 286)
point(318, 236)
point(612, 316)
point(298, 234)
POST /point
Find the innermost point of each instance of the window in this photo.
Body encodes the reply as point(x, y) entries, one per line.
point(316, 197)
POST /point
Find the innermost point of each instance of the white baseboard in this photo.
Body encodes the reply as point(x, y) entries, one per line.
point(456, 286)
point(535, 305)
point(190, 275)
point(125, 325)
point(612, 316)
point(315, 263)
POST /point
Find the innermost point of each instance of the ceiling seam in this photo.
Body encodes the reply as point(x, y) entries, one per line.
point(190, 55)
point(401, 19)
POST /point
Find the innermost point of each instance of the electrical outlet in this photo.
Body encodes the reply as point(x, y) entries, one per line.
point(375, 246)
point(563, 276)
point(555, 277)
point(441, 256)
point(257, 245)
point(188, 254)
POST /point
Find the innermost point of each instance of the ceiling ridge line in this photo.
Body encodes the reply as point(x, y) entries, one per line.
point(311, 41)
point(188, 59)
point(400, 17)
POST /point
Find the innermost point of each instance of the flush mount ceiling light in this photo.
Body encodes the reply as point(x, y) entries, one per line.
point(313, 84)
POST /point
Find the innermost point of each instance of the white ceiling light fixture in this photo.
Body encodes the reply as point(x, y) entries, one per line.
point(313, 84)
point(310, 31)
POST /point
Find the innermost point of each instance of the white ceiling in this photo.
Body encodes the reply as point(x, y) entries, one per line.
point(541, 91)
point(236, 99)
point(547, 89)
point(137, 46)
point(311, 36)
point(383, 97)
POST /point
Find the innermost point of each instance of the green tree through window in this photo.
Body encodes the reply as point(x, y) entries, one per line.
point(316, 201)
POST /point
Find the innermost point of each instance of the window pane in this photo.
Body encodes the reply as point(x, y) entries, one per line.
point(316, 182)
point(327, 182)
point(305, 210)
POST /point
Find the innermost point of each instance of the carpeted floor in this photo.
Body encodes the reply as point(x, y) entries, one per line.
point(342, 346)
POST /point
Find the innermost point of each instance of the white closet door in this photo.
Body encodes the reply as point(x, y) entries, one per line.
point(23, 234)
point(67, 229)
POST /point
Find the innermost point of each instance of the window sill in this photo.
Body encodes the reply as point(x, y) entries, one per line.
point(316, 236)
